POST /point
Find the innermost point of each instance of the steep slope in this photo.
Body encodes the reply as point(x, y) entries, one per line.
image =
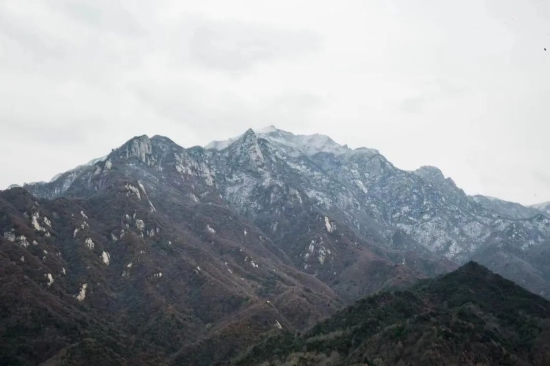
point(262, 184)
point(468, 317)
point(360, 189)
point(45, 281)
point(366, 192)
point(147, 259)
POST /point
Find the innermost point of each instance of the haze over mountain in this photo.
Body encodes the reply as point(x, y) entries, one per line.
point(192, 255)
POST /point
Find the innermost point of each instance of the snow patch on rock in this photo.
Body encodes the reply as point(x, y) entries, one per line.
point(133, 190)
point(82, 294)
point(329, 226)
point(35, 224)
point(22, 241)
point(89, 243)
point(105, 257)
point(8, 235)
point(140, 224)
point(50, 279)
point(322, 254)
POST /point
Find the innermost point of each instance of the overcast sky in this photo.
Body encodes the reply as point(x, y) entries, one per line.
point(462, 85)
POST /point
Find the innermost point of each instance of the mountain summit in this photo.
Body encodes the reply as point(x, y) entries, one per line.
point(305, 144)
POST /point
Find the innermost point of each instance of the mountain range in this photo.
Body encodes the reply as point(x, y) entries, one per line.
point(161, 254)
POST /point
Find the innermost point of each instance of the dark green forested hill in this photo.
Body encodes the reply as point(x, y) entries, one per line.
point(468, 317)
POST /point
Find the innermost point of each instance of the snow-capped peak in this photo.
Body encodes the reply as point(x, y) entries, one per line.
point(220, 145)
point(305, 144)
point(267, 129)
point(223, 144)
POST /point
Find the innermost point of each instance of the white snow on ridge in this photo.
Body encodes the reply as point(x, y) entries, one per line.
point(50, 279)
point(307, 144)
point(82, 294)
point(35, 224)
point(329, 226)
point(220, 145)
point(89, 243)
point(105, 257)
point(266, 129)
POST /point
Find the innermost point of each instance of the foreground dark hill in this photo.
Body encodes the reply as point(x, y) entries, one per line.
point(113, 277)
point(468, 317)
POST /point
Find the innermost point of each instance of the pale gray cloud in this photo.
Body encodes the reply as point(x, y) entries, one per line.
point(199, 107)
point(429, 93)
point(460, 85)
point(234, 46)
point(104, 15)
